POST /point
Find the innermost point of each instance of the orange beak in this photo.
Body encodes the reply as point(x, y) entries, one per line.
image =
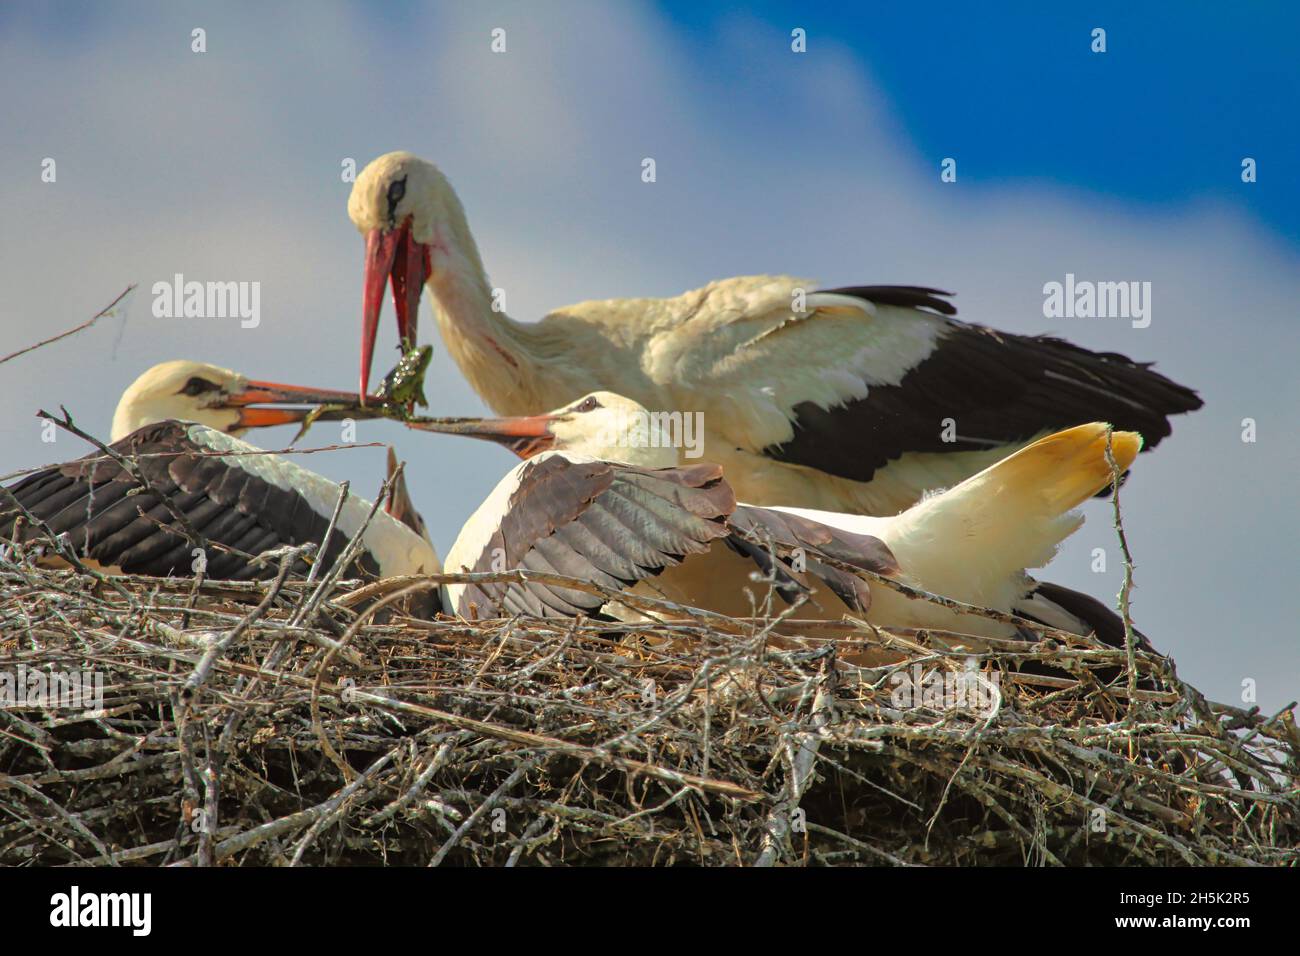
point(525, 435)
point(275, 393)
point(391, 255)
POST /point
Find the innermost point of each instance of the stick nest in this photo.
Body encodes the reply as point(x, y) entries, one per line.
point(245, 724)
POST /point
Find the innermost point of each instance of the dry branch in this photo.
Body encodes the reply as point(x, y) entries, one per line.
point(235, 730)
point(106, 310)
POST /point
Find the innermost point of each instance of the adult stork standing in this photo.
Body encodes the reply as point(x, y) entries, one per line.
point(600, 496)
point(855, 399)
point(178, 423)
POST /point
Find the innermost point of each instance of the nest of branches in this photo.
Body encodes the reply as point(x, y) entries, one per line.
point(303, 722)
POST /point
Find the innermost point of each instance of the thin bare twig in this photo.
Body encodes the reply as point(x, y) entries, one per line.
point(106, 310)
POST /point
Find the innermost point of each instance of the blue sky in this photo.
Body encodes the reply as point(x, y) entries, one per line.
point(1117, 166)
point(1014, 91)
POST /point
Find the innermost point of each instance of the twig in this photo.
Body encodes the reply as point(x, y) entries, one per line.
point(1130, 637)
point(73, 331)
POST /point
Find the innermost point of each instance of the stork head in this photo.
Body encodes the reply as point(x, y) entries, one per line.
point(413, 224)
point(213, 396)
point(601, 425)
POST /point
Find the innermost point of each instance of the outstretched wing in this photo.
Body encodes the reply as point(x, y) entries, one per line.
point(615, 525)
point(231, 501)
point(597, 521)
point(848, 380)
point(801, 545)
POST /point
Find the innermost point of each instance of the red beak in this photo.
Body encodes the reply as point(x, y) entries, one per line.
point(397, 256)
point(526, 435)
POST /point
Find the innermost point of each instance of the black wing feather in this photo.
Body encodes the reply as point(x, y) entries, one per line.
point(109, 518)
point(905, 296)
point(999, 389)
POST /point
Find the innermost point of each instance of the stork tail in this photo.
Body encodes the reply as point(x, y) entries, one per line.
point(1012, 515)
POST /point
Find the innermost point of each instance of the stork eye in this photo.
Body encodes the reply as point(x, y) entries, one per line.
point(588, 404)
point(396, 191)
point(197, 386)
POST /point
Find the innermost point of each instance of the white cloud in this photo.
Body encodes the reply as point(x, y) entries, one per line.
point(226, 165)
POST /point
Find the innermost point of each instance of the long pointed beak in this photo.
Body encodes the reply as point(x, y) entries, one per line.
point(381, 250)
point(526, 435)
point(399, 503)
point(411, 268)
point(276, 393)
point(397, 256)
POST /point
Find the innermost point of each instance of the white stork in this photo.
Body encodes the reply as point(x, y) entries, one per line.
point(177, 420)
point(600, 496)
point(854, 399)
